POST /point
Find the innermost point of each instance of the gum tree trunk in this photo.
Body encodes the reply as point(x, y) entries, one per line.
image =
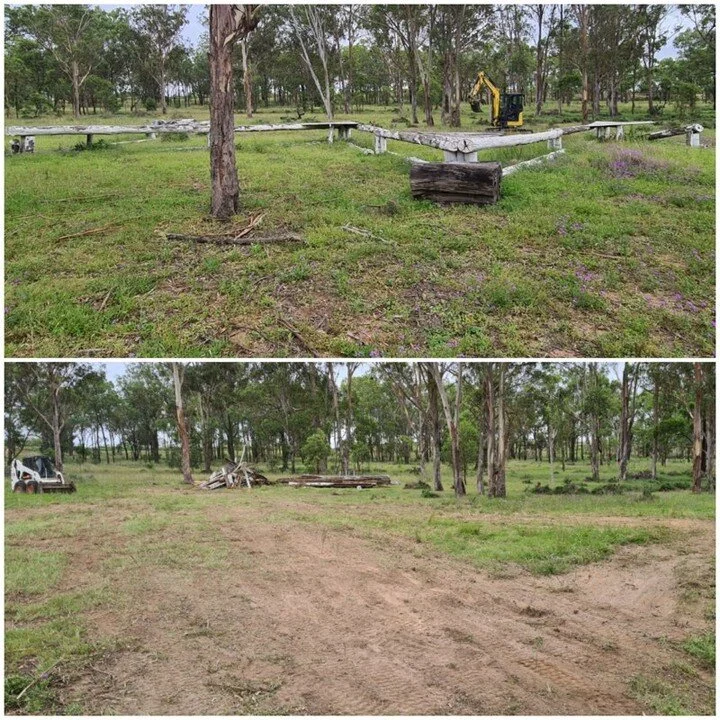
point(228, 23)
point(247, 79)
point(178, 372)
point(697, 430)
point(223, 173)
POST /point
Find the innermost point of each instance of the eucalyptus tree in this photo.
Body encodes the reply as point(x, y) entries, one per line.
point(45, 389)
point(158, 28)
point(311, 26)
point(73, 34)
point(653, 36)
point(628, 399)
point(178, 373)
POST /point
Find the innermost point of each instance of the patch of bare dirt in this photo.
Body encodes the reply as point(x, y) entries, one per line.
point(305, 620)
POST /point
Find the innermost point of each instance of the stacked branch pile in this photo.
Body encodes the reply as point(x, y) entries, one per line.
point(232, 475)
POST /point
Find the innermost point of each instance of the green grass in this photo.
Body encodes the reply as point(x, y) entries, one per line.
point(661, 697)
point(32, 572)
point(140, 522)
point(501, 548)
point(702, 648)
point(571, 261)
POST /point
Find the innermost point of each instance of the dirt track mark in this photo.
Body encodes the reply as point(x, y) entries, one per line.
point(343, 625)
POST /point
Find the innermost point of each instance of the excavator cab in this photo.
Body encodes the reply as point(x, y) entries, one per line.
point(512, 109)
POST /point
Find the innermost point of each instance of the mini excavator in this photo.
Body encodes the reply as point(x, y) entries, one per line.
point(506, 109)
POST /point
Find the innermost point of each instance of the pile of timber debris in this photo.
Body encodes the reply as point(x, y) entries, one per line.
point(337, 481)
point(232, 475)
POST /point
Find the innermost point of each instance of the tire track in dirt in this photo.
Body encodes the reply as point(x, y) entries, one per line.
point(337, 624)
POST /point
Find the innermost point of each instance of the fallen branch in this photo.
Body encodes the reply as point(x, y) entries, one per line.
point(363, 233)
point(364, 151)
point(296, 334)
point(93, 231)
point(238, 239)
point(42, 676)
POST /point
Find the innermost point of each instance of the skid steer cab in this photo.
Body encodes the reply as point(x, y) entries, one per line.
point(37, 474)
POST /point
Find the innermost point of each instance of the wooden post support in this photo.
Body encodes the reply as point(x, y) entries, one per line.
point(620, 133)
point(692, 138)
point(344, 133)
point(22, 143)
point(380, 145)
point(151, 135)
point(331, 135)
point(89, 140)
point(555, 143)
point(455, 182)
point(460, 157)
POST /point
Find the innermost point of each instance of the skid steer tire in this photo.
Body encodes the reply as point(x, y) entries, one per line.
point(19, 487)
point(32, 487)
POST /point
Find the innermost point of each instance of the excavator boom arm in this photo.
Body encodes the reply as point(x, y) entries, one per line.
point(484, 81)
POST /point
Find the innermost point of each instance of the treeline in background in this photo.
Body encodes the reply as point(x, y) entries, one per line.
point(342, 417)
point(420, 59)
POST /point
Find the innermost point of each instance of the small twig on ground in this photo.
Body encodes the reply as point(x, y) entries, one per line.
point(237, 240)
point(296, 334)
point(610, 257)
point(86, 198)
point(104, 302)
point(362, 233)
point(42, 676)
point(87, 232)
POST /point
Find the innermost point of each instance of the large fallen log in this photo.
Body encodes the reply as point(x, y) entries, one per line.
point(337, 481)
point(672, 132)
point(571, 129)
point(535, 162)
point(477, 183)
point(461, 142)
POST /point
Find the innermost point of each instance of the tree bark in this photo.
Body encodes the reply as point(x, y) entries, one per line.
point(76, 89)
point(223, 173)
point(247, 78)
point(497, 480)
point(451, 418)
point(228, 23)
point(178, 373)
point(434, 402)
point(656, 402)
point(697, 429)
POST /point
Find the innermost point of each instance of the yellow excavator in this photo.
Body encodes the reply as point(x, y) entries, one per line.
point(506, 109)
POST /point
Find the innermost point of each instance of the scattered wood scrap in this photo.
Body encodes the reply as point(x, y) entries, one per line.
point(337, 481)
point(232, 475)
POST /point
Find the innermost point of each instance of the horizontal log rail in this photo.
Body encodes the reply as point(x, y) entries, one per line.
point(200, 128)
point(463, 143)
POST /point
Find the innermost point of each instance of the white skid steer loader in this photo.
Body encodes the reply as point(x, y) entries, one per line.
point(37, 474)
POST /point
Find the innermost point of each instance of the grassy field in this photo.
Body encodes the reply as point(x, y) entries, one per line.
point(81, 570)
point(608, 252)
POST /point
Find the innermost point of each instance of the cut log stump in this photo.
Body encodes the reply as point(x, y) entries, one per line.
point(476, 183)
